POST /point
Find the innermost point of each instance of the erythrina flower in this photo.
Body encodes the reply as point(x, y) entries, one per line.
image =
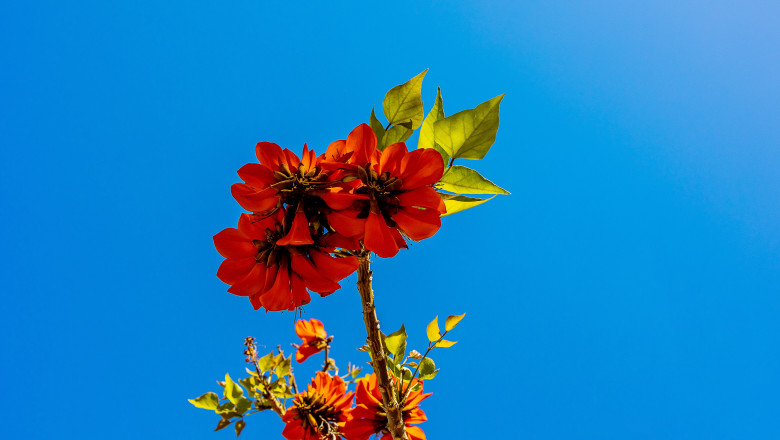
point(320, 412)
point(369, 417)
point(394, 197)
point(273, 268)
point(314, 338)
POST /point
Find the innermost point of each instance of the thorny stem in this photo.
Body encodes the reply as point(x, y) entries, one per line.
point(395, 422)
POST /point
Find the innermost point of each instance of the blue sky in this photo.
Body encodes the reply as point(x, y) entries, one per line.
point(628, 288)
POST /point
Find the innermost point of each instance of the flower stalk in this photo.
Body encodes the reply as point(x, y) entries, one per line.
point(395, 422)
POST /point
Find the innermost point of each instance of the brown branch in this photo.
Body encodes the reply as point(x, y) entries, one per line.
point(395, 422)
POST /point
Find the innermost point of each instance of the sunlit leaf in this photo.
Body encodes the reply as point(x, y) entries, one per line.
point(396, 343)
point(206, 401)
point(404, 102)
point(433, 330)
point(469, 134)
point(233, 391)
point(446, 344)
point(462, 203)
point(239, 427)
point(427, 369)
point(243, 405)
point(266, 362)
point(462, 180)
point(223, 423)
point(379, 129)
point(452, 321)
point(427, 139)
point(396, 133)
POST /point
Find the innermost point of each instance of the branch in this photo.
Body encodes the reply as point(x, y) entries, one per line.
point(395, 421)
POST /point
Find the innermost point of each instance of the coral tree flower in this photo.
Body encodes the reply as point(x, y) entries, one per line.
point(320, 412)
point(274, 268)
point(368, 417)
point(314, 338)
point(394, 197)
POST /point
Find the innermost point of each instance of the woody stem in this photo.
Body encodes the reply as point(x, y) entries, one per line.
point(395, 422)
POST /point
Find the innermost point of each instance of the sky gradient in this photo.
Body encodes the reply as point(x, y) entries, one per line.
point(629, 288)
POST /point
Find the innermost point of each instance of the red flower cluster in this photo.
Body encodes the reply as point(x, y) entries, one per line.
point(320, 412)
point(369, 417)
point(303, 209)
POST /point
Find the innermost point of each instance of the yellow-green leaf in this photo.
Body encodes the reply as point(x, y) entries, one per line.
point(396, 343)
point(426, 130)
point(233, 391)
point(462, 203)
point(404, 102)
point(223, 423)
point(469, 134)
point(266, 362)
point(243, 405)
point(446, 344)
point(462, 180)
point(379, 129)
point(239, 427)
point(433, 330)
point(452, 321)
point(427, 369)
point(206, 401)
point(396, 133)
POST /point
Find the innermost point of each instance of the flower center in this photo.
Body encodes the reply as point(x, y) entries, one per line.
point(382, 190)
point(316, 416)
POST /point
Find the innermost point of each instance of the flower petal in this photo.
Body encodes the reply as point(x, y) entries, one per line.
point(269, 154)
point(421, 167)
point(231, 243)
point(378, 237)
point(299, 230)
point(418, 224)
point(232, 271)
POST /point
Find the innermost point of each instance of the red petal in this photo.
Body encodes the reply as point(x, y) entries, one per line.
point(378, 237)
point(423, 197)
point(252, 283)
point(391, 158)
point(257, 175)
point(311, 276)
point(304, 351)
point(421, 167)
point(361, 141)
point(335, 150)
point(253, 200)
point(269, 154)
point(232, 271)
point(279, 296)
point(341, 199)
point(334, 268)
point(231, 243)
point(417, 223)
point(299, 230)
point(299, 294)
point(415, 433)
point(347, 223)
point(336, 240)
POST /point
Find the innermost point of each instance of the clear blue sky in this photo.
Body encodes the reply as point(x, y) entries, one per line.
point(629, 288)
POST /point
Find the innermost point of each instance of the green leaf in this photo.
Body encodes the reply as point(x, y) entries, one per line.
point(243, 405)
point(452, 321)
point(284, 367)
point(223, 423)
point(266, 362)
point(427, 369)
point(396, 344)
point(379, 129)
point(233, 391)
point(445, 344)
point(239, 427)
point(427, 139)
point(206, 401)
point(226, 407)
point(462, 203)
point(433, 330)
point(470, 133)
point(404, 102)
point(463, 180)
point(396, 133)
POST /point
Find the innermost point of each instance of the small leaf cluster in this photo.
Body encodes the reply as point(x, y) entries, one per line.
point(468, 134)
point(267, 387)
point(415, 365)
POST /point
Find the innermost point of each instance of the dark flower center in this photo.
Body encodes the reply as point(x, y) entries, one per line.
point(382, 190)
point(316, 416)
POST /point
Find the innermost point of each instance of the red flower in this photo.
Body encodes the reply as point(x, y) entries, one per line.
point(274, 265)
point(394, 197)
point(314, 338)
point(320, 412)
point(369, 417)
point(280, 177)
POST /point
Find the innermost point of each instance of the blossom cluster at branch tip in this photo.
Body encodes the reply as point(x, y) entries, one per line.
point(311, 214)
point(314, 337)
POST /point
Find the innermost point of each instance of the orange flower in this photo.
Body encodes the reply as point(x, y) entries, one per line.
point(314, 338)
point(394, 197)
point(369, 417)
point(320, 412)
point(265, 263)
